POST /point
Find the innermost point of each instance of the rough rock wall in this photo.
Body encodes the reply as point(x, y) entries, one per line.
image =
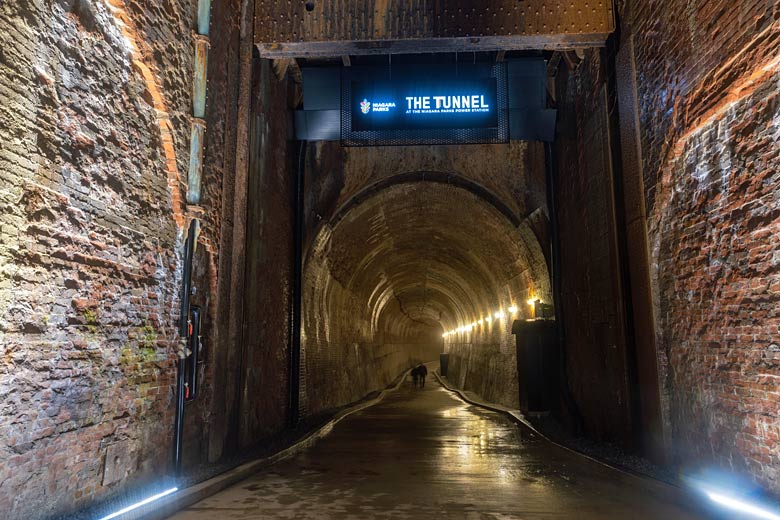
point(93, 135)
point(707, 76)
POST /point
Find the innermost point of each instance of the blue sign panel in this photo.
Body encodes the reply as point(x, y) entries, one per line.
point(424, 104)
point(408, 104)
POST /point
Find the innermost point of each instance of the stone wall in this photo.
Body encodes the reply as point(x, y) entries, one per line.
point(597, 359)
point(487, 363)
point(269, 260)
point(709, 143)
point(705, 122)
point(93, 139)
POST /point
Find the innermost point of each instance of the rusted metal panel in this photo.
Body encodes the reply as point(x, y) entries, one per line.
point(400, 26)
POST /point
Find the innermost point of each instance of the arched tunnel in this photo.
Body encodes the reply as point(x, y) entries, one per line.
point(370, 259)
point(404, 262)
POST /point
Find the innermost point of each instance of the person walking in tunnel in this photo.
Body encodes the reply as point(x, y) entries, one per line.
point(416, 376)
point(422, 372)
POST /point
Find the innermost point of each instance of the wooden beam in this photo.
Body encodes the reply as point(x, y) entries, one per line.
point(355, 27)
point(337, 49)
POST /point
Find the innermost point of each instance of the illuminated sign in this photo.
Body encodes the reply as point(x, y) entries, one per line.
point(430, 103)
point(416, 104)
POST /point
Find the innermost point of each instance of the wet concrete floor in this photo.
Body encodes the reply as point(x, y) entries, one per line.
point(427, 454)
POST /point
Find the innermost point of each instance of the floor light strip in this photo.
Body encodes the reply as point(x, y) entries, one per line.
point(141, 503)
point(742, 506)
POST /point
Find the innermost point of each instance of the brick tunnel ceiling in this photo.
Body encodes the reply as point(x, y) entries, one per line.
point(423, 254)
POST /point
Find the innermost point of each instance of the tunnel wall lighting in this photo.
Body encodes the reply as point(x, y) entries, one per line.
point(499, 314)
point(738, 505)
point(149, 500)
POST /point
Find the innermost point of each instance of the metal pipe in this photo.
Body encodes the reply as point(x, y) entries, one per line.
point(555, 271)
point(204, 16)
point(189, 253)
point(295, 308)
point(199, 77)
point(195, 172)
point(199, 82)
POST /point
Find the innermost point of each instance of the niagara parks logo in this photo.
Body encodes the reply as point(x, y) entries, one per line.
point(365, 106)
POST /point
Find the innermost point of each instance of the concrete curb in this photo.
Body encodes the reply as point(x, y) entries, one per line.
point(183, 498)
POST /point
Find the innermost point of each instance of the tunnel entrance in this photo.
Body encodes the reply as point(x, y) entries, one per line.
point(404, 262)
point(421, 247)
point(393, 239)
point(415, 230)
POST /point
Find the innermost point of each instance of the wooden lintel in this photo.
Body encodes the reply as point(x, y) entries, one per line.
point(336, 49)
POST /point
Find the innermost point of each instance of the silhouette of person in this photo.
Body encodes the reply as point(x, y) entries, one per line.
point(422, 372)
point(416, 376)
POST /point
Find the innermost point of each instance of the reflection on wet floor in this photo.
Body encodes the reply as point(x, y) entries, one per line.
point(425, 453)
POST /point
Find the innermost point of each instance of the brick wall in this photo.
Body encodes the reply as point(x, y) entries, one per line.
point(485, 362)
point(691, 57)
point(708, 109)
point(93, 137)
point(707, 120)
point(716, 237)
point(597, 359)
point(266, 332)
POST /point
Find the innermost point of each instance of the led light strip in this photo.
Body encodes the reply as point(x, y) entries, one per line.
point(141, 503)
point(737, 505)
point(498, 315)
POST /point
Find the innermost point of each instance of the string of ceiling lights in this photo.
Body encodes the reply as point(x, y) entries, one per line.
point(486, 320)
